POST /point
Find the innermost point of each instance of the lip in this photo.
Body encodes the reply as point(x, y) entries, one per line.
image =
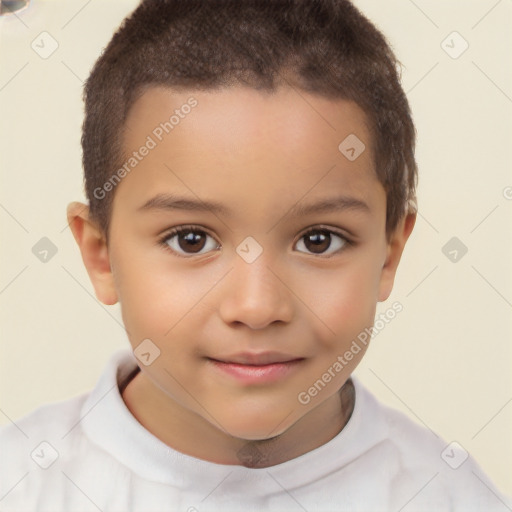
point(257, 358)
point(251, 374)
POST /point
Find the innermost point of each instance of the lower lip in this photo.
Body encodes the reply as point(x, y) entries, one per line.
point(249, 374)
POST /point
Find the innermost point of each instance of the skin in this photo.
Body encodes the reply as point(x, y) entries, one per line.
point(259, 155)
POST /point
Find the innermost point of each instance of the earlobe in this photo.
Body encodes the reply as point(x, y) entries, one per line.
point(395, 249)
point(93, 247)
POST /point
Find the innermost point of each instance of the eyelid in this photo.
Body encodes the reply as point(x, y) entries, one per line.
point(186, 227)
point(319, 227)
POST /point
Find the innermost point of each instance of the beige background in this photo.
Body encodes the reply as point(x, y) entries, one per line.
point(445, 360)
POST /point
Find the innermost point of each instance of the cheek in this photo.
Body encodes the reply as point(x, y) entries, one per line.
point(158, 296)
point(345, 299)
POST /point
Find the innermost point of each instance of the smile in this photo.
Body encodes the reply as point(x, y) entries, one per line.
point(256, 373)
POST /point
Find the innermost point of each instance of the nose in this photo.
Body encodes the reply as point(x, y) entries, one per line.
point(255, 296)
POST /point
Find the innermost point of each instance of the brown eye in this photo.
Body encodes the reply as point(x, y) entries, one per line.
point(185, 241)
point(191, 241)
point(318, 241)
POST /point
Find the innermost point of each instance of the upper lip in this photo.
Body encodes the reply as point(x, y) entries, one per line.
point(257, 358)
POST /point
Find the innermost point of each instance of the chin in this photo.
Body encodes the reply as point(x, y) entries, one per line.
point(257, 426)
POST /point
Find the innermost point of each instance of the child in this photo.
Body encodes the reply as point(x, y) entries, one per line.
point(251, 181)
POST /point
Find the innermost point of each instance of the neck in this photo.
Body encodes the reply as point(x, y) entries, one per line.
point(297, 440)
point(191, 434)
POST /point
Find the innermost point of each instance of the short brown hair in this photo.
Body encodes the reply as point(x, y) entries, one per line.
point(325, 47)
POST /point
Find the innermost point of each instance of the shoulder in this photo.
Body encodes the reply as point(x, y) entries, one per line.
point(442, 473)
point(46, 426)
point(33, 449)
point(59, 424)
point(40, 449)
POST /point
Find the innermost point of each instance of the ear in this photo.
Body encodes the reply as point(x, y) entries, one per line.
point(93, 246)
point(395, 247)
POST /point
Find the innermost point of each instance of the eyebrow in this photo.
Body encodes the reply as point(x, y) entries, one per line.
point(338, 203)
point(170, 202)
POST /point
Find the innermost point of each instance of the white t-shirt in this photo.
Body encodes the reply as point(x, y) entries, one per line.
point(89, 453)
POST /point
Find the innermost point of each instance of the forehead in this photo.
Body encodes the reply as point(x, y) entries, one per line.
point(239, 143)
point(239, 116)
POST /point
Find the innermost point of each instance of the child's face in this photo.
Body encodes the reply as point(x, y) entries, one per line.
point(265, 159)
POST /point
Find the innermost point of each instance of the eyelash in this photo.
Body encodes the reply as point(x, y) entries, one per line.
point(195, 229)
